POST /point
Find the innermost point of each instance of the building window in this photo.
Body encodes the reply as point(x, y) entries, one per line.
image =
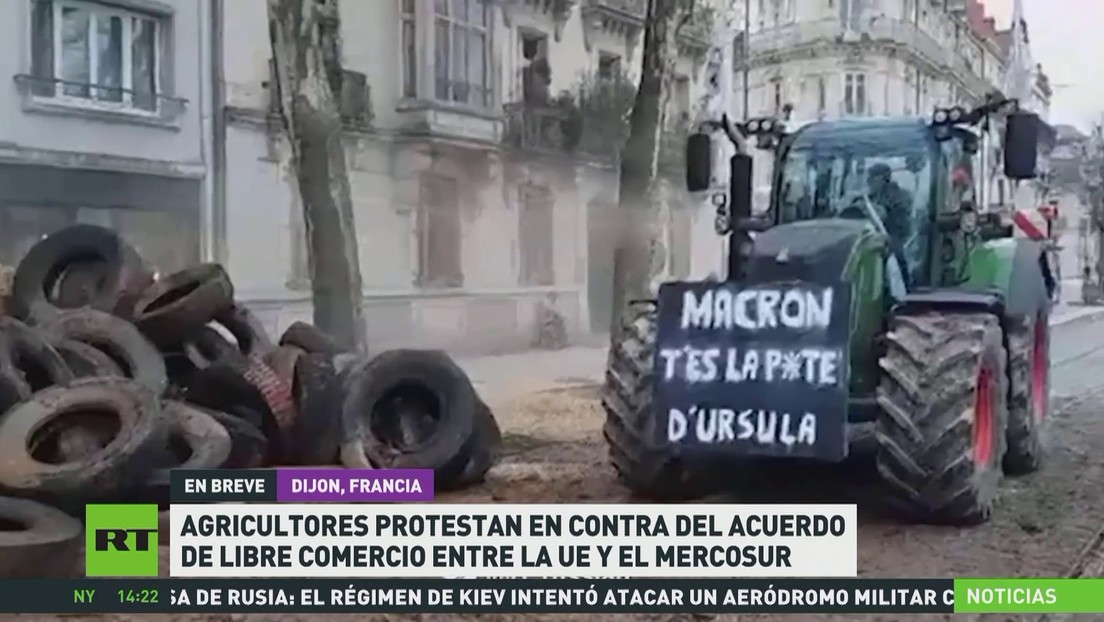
point(409, 50)
point(462, 52)
point(854, 93)
point(609, 66)
point(96, 54)
point(439, 233)
point(536, 73)
point(535, 236)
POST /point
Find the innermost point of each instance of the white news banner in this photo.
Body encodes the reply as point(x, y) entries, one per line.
point(513, 541)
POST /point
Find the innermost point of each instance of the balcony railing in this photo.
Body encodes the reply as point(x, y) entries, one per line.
point(538, 128)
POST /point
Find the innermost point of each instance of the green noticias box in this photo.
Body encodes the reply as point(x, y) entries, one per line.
point(120, 540)
point(1029, 595)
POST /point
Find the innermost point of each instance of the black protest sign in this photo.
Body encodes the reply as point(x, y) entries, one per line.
point(753, 369)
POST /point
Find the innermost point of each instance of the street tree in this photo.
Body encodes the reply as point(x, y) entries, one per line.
point(635, 252)
point(305, 39)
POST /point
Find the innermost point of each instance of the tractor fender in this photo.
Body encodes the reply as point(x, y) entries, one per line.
point(1017, 269)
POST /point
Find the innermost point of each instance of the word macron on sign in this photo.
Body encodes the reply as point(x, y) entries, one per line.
point(757, 309)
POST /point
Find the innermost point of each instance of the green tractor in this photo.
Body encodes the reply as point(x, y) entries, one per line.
point(875, 296)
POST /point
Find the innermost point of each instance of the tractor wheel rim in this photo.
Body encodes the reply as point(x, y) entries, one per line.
point(1039, 370)
point(983, 417)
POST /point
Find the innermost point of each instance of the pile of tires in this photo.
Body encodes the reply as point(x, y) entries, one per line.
point(110, 377)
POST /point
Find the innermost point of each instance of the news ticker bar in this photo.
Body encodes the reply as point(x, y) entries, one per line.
point(705, 596)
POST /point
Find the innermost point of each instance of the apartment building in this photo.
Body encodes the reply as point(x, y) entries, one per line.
point(482, 140)
point(827, 59)
point(103, 121)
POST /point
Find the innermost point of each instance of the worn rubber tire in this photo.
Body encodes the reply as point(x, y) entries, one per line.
point(177, 305)
point(317, 392)
point(110, 473)
point(45, 547)
point(248, 384)
point(207, 347)
point(124, 276)
point(247, 329)
point(926, 422)
point(29, 354)
point(485, 452)
point(86, 361)
point(448, 448)
point(248, 445)
point(644, 467)
point(12, 390)
point(118, 338)
point(1027, 418)
point(78, 284)
point(205, 437)
point(310, 338)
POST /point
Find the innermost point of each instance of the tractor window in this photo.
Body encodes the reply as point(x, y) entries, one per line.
point(830, 182)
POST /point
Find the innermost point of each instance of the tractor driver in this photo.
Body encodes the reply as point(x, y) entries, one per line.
point(897, 203)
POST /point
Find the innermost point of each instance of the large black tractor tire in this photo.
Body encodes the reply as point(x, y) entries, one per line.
point(647, 468)
point(1029, 401)
point(940, 432)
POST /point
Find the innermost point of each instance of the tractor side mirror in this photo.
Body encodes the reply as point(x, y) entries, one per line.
point(740, 168)
point(1021, 145)
point(699, 162)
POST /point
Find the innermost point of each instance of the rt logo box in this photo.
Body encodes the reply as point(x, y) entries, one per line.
point(120, 540)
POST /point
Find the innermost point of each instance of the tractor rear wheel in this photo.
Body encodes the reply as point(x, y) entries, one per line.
point(1029, 404)
point(941, 428)
point(644, 466)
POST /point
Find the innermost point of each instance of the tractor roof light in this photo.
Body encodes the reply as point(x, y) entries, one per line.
point(941, 116)
point(955, 114)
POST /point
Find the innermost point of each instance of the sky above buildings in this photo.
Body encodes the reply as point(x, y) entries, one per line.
point(1066, 38)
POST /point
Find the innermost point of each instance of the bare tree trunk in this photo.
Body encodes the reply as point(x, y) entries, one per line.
point(634, 253)
point(305, 40)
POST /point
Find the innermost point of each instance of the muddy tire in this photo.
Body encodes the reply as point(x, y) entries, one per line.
point(940, 431)
point(181, 303)
point(207, 347)
point(485, 452)
point(27, 356)
point(86, 361)
point(318, 396)
point(115, 470)
point(1029, 401)
point(644, 467)
point(252, 387)
point(194, 432)
point(118, 286)
point(409, 384)
point(119, 339)
point(44, 545)
point(310, 339)
point(248, 445)
point(247, 329)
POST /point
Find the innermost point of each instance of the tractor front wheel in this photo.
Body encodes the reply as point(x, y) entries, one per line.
point(941, 427)
point(644, 466)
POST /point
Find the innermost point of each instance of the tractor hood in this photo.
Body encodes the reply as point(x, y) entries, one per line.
point(815, 251)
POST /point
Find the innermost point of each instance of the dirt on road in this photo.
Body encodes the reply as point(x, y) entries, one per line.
point(1043, 525)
